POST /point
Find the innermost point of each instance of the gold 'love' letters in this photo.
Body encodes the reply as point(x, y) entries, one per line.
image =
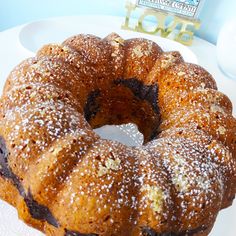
point(172, 26)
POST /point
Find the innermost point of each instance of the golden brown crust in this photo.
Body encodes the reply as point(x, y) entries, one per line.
point(140, 56)
point(196, 203)
point(209, 98)
point(10, 192)
point(65, 180)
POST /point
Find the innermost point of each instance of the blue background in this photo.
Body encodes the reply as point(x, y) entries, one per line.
point(15, 12)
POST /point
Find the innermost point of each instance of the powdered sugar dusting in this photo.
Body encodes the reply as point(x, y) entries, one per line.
point(176, 183)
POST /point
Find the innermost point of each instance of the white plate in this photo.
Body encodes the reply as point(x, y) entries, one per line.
point(23, 41)
point(36, 34)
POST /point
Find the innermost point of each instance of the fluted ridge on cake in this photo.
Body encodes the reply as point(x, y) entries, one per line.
point(65, 180)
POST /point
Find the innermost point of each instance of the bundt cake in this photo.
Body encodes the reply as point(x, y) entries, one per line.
point(65, 180)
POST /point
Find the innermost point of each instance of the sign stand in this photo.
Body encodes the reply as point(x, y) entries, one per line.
point(168, 24)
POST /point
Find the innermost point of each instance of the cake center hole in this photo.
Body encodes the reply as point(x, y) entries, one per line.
point(127, 134)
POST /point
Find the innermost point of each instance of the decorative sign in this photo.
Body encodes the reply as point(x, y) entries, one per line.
point(176, 26)
point(187, 8)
